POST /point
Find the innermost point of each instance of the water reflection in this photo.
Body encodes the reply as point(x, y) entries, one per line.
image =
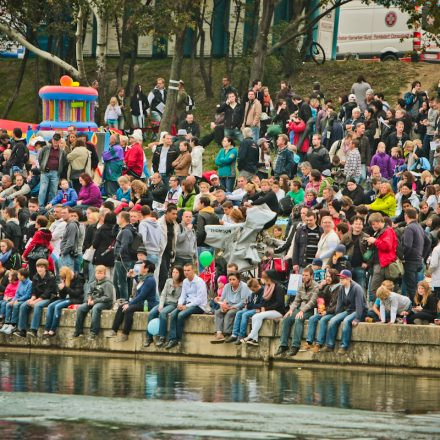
point(210, 382)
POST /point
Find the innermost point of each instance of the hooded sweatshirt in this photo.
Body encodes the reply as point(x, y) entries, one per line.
point(383, 161)
point(10, 290)
point(42, 237)
point(24, 290)
point(102, 292)
point(70, 238)
point(151, 234)
point(186, 245)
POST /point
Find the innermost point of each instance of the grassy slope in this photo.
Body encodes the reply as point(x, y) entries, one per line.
point(335, 78)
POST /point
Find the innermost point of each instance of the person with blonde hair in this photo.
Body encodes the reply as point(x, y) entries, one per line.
point(425, 304)
point(112, 113)
point(385, 203)
point(70, 291)
point(392, 304)
point(123, 193)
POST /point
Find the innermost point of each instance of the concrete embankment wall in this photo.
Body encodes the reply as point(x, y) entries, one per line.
point(373, 345)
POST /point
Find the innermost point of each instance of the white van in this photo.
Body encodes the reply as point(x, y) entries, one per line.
point(373, 31)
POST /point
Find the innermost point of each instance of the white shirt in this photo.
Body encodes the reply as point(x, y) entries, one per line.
point(57, 228)
point(163, 160)
point(194, 293)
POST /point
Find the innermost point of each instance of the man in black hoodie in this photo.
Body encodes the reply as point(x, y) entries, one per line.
point(355, 192)
point(20, 152)
point(233, 117)
point(11, 227)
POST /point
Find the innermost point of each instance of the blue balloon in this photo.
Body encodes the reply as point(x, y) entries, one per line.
point(153, 326)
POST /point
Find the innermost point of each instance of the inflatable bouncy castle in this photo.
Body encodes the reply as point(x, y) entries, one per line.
point(68, 104)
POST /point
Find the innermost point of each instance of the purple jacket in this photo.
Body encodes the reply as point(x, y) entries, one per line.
point(396, 163)
point(90, 195)
point(383, 161)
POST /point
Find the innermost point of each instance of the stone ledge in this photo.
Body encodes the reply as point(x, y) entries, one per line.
point(379, 345)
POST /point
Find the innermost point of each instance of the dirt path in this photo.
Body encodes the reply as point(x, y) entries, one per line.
point(428, 74)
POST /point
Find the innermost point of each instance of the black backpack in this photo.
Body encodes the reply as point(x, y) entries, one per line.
point(286, 206)
point(136, 243)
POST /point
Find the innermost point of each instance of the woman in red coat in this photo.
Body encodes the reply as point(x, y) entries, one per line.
point(296, 128)
point(40, 243)
point(134, 155)
point(384, 245)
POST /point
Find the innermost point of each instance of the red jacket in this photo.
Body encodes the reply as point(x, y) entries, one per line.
point(134, 158)
point(298, 129)
point(386, 245)
point(42, 237)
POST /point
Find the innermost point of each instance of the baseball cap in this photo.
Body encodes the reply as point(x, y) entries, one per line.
point(261, 141)
point(340, 248)
point(213, 176)
point(345, 274)
point(182, 132)
point(352, 97)
point(326, 173)
point(317, 262)
point(56, 137)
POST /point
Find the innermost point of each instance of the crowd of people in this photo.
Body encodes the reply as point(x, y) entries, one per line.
point(357, 183)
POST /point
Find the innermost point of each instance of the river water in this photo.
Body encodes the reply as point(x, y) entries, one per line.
point(51, 396)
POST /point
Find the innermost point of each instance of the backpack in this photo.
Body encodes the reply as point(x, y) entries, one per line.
point(286, 206)
point(136, 243)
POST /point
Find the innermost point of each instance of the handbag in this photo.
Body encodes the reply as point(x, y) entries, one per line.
point(394, 270)
point(279, 265)
point(38, 252)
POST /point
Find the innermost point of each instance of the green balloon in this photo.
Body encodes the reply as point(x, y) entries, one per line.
point(206, 258)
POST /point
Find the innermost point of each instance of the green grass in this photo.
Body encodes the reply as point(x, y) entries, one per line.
point(336, 78)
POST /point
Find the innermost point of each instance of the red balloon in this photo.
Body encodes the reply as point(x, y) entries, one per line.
point(66, 81)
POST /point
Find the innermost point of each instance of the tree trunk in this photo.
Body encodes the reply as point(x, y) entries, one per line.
point(79, 36)
point(232, 61)
point(37, 112)
point(206, 80)
point(173, 87)
point(21, 71)
point(260, 47)
point(130, 76)
point(16, 36)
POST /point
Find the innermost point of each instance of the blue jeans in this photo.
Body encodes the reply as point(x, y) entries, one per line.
point(292, 327)
point(360, 276)
point(241, 321)
point(163, 317)
point(177, 320)
point(346, 320)
point(313, 324)
point(138, 121)
point(12, 313)
point(48, 187)
point(234, 134)
point(228, 183)
point(54, 314)
point(66, 260)
point(81, 314)
point(3, 304)
point(36, 317)
point(120, 280)
point(255, 133)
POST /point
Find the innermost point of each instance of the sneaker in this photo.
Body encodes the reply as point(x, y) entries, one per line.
point(231, 338)
point(281, 349)
point(111, 334)
point(122, 338)
point(77, 335)
point(10, 329)
point(32, 333)
point(253, 342)
point(327, 349)
point(92, 335)
point(20, 333)
point(161, 342)
point(4, 327)
point(293, 351)
point(306, 347)
point(316, 348)
point(342, 351)
point(46, 335)
point(148, 342)
point(171, 344)
point(219, 338)
point(238, 341)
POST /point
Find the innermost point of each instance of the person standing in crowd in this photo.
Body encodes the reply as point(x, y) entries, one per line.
point(248, 155)
point(252, 114)
point(157, 99)
point(113, 159)
point(300, 310)
point(318, 155)
point(284, 160)
point(226, 162)
point(163, 157)
point(124, 255)
point(112, 113)
point(192, 300)
point(233, 117)
point(359, 89)
point(138, 105)
point(52, 160)
point(186, 243)
point(120, 96)
point(69, 240)
point(134, 155)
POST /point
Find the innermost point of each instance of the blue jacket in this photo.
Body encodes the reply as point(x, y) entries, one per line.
point(70, 195)
point(255, 300)
point(147, 292)
point(284, 164)
point(225, 162)
point(24, 290)
point(123, 195)
point(354, 301)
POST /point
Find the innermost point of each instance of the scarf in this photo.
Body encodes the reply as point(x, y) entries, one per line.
point(268, 291)
point(5, 257)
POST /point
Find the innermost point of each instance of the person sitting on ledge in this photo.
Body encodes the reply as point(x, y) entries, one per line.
point(350, 310)
point(100, 298)
point(272, 307)
point(232, 300)
point(300, 310)
point(145, 291)
point(167, 303)
point(193, 300)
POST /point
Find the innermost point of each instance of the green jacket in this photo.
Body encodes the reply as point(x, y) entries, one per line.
point(386, 204)
point(297, 197)
point(226, 161)
point(187, 202)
